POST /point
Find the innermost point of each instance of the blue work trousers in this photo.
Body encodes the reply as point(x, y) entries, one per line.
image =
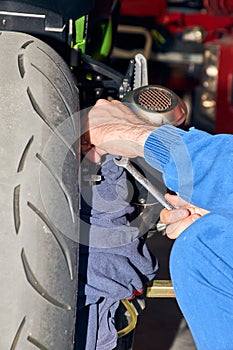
point(201, 266)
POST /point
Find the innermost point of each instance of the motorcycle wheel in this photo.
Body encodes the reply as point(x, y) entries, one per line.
point(39, 199)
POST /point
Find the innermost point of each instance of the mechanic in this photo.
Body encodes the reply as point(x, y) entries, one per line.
point(198, 167)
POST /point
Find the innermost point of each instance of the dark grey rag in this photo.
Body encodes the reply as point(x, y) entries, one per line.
point(112, 270)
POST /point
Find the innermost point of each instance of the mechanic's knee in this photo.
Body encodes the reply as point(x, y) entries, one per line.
point(182, 261)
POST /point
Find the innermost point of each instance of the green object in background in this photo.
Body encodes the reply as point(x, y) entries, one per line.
point(157, 36)
point(105, 44)
point(80, 37)
point(107, 39)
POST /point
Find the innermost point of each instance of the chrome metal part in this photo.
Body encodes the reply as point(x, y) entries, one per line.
point(125, 163)
point(140, 72)
point(157, 105)
point(160, 289)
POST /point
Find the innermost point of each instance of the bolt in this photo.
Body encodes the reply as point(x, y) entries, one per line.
point(142, 201)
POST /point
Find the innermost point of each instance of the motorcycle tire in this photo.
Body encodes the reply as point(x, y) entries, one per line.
point(39, 196)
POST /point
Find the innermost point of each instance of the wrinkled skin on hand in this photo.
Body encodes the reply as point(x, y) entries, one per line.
point(113, 128)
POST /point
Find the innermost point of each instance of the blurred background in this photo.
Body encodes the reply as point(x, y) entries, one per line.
point(189, 48)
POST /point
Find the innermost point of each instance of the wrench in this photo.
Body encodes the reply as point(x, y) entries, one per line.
point(125, 163)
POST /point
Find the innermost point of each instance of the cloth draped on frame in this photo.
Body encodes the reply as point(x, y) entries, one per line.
point(114, 261)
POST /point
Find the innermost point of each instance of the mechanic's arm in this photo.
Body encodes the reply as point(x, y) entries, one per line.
point(195, 165)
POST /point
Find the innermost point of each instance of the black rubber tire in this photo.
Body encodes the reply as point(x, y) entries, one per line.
point(39, 199)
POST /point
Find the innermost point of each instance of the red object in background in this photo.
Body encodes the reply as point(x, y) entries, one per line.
point(219, 7)
point(141, 8)
point(177, 22)
point(156, 8)
point(216, 20)
point(224, 95)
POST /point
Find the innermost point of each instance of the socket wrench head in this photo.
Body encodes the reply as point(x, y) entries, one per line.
point(157, 105)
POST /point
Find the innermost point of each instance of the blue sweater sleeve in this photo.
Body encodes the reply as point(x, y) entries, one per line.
point(196, 165)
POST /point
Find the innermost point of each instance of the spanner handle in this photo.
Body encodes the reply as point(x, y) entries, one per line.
point(151, 188)
point(125, 163)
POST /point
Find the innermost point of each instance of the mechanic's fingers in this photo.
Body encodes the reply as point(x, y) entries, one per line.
point(102, 101)
point(178, 202)
point(175, 229)
point(175, 200)
point(121, 106)
point(93, 155)
point(172, 216)
point(91, 152)
point(116, 101)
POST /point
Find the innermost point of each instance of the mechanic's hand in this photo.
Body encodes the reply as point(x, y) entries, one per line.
point(181, 217)
point(113, 128)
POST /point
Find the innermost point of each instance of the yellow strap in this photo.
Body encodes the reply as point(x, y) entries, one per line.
point(133, 315)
